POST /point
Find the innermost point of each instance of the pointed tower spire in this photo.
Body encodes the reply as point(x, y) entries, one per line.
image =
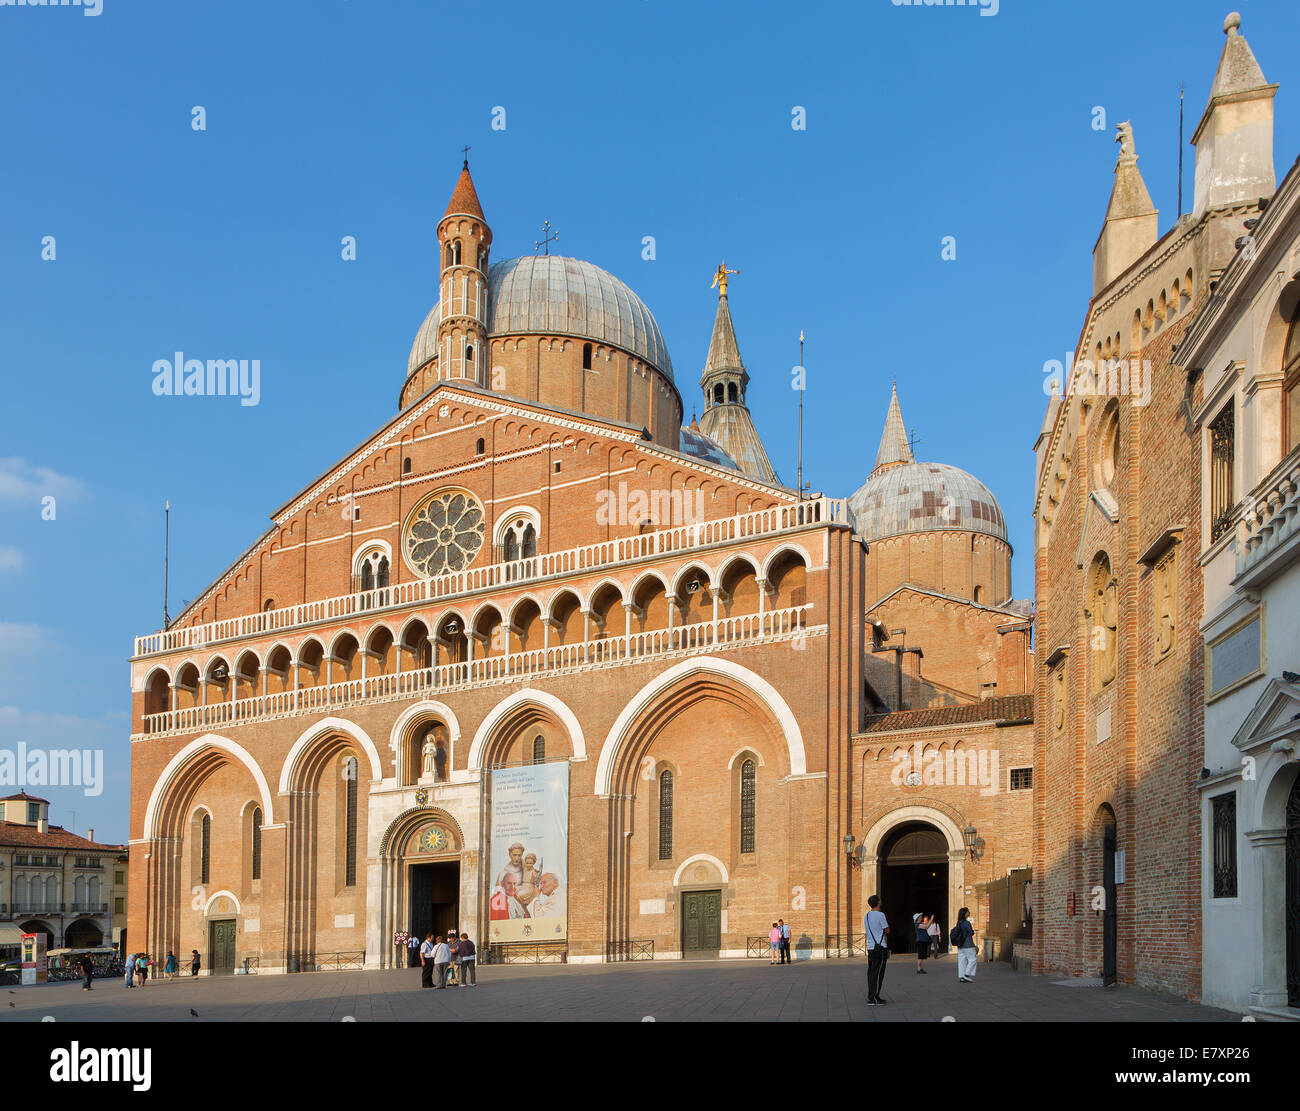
point(1234, 140)
point(464, 240)
point(725, 381)
point(894, 448)
point(1131, 225)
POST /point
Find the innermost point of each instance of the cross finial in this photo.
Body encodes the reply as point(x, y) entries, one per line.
point(546, 240)
point(465, 151)
point(720, 279)
point(912, 440)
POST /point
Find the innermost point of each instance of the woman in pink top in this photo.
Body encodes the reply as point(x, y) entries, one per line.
point(774, 941)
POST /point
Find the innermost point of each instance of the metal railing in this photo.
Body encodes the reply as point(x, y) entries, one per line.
point(790, 622)
point(591, 557)
point(333, 962)
point(634, 950)
point(838, 945)
point(555, 952)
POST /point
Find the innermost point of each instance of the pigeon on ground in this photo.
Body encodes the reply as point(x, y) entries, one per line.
point(194, 1012)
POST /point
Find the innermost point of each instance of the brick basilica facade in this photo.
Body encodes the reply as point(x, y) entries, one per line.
point(769, 705)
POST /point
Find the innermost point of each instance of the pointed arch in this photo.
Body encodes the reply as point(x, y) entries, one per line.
point(323, 728)
point(517, 700)
point(171, 773)
point(757, 686)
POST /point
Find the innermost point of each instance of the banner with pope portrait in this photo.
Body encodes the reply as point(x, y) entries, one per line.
point(529, 858)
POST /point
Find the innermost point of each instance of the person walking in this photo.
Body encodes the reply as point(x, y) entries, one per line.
point(774, 942)
point(87, 966)
point(963, 940)
point(468, 960)
point(130, 970)
point(922, 925)
point(169, 968)
point(426, 961)
point(141, 964)
point(441, 958)
point(195, 963)
point(877, 928)
point(936, 937)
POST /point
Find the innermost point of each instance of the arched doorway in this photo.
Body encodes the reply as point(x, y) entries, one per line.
point(914, 877)
point(1109, 912)
point(422, 881)
point(1293, 895)
point(83, 934)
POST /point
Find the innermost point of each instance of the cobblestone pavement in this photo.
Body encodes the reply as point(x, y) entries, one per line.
point(736, 991)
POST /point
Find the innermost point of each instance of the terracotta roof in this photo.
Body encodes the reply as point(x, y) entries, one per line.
point(23, 795)
point(464, 198)
point(29, 837)
point(1010, 707)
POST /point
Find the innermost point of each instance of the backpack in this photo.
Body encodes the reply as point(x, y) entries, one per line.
point(956, 936)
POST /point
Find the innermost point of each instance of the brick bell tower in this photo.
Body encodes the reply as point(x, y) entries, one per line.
point(464, 240)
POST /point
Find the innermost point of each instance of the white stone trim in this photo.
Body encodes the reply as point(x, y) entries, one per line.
point(169, 774)
point(315, 732)
point(705, 857)
point(756, 684)
point(224, 893)
point(520, 698)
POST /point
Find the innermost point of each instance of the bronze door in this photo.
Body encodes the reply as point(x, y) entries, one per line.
point(221, 948)
point(701, 923)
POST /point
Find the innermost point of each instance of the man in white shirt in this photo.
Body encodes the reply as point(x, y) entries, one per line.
point(877, 930)
point(426, 962)
point(441, 959)
point(549, 902)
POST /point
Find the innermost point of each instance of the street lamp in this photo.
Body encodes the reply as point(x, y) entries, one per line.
point(970, 834)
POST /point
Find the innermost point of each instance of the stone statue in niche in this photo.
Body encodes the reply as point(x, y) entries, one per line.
point(1058, 698)
point(1165, 605)
point(429, 752)
point(1102, 610)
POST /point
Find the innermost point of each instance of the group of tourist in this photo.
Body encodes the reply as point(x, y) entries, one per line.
point(451, 961)
point(778, 939)
point(961, 938)
point(136, 969)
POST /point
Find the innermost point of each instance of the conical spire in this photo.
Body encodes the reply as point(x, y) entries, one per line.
point(894, 448)
point(1131, 225)
point(1238, 71)
point(726, 418)
point(724, 351)
point(463, 197)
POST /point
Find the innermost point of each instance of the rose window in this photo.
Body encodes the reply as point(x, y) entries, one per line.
point(444, 533)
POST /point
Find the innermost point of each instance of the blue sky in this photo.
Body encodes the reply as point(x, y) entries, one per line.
point(623, 120)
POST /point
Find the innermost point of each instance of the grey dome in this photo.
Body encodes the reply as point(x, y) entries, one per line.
point(925, 497)
point(554, 295)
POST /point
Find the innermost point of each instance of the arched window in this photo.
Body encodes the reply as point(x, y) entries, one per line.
point(455, 252)
point(539, 749)
point(350, 823)
point(372, 574)
point(731, 391)
point(205, 849)
point(406, 465)
point(717, 394)
point(978, 594)
point(748, 775)
point(482, 260)
point(469, 354)
point(666, 815)
point(451, 256)
point(480, 447)
point(1291, 385)
point(257, 843)
point(268, 605)
point(586, 356)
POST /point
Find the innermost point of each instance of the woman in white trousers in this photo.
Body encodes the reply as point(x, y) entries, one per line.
point(966, 951)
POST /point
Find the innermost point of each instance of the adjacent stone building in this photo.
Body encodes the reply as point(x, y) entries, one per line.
point(1121, 527)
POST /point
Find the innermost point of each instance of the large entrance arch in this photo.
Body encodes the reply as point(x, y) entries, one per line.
point(914, 879)
point(423, 885)
point(940, 849)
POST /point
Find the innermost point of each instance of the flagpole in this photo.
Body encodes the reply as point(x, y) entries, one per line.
point(803, 381)
point(167, 534)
